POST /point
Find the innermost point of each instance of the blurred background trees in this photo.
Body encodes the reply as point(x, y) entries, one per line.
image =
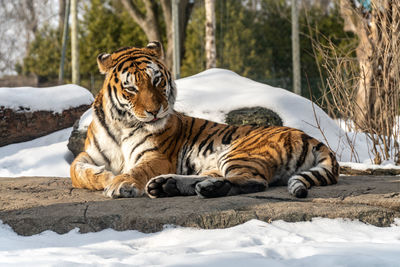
point(253, 38)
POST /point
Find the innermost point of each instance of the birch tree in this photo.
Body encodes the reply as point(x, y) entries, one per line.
point(211, 51)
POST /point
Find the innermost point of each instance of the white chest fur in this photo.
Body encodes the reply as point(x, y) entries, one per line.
point(133, 146)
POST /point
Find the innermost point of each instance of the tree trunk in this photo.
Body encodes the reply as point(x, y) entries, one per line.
point(148, 22)
point(74, 42)
point(296, 49)
point(211, 51)
point(152, 28)
point(61, 16)
point(378, 52)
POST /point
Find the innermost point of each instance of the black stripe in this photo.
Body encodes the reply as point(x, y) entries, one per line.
point(191, 128)
point(190, 168)
point(335, 165)
point(318, 147)
point(259, 162)
point(122, 49)
point(224, 129)
point(319, 177)
point(252, 128)
point(253, 171)
point(210, 148)
point(278, 150)
point(330, 176)
point(283, 135)
point(288, 146)
point(120, 112)
point(169, 138)
point(170, 144)
point(178, 133)
point(144, 152)
point(185, 146)
point(227, 138)
point(206, 140)
point(202, 127)
point(304, 151)
point(308, 178)
point(130, 134)
point(117, 98)
point(140, 143)
point(100, 115)
point(105, 158)
point(256, 140)
point(121, 64)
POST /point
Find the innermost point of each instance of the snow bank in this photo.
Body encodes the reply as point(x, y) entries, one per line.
point(321, 242)
point(57, 98)
point(44, 156)
point(213, 93)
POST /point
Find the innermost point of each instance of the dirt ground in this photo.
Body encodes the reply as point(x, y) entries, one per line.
point(31, 205)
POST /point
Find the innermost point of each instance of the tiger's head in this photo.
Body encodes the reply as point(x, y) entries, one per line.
point(138, 84)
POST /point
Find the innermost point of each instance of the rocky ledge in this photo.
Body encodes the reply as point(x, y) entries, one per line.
point(31, 205)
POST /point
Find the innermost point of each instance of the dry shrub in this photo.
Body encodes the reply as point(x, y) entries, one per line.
point(362, 87)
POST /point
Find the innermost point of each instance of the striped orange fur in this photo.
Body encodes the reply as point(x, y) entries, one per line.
point(138, 144)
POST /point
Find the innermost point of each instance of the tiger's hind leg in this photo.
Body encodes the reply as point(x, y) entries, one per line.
point(326, 172)
point(86, 174)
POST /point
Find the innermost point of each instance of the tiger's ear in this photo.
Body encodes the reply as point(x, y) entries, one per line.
point(104, 62)
point(156, 49)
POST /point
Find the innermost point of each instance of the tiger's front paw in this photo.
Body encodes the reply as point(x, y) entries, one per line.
point(162, 186)
point(120, 187)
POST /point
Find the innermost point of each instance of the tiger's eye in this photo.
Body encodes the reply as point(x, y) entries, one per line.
point(131, 89)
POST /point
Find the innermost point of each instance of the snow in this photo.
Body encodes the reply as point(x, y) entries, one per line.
point(44, 156)
point(210, 94)
point(321, 242)
point(56, 99)
point(364, 166)
point(213, 93)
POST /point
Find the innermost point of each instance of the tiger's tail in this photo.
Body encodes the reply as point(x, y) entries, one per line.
point(325, 171)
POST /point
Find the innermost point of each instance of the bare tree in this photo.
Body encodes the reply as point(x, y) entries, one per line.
point(19, 22)
point(211, 51)
point(364, 91)
point(149, 23)
point(378, 29)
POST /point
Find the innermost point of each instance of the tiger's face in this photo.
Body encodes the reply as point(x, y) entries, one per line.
point(139, 84)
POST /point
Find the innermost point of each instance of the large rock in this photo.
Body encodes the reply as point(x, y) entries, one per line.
point(32, 205)
point(258, 116)
point(76, 141)
point(24, 125)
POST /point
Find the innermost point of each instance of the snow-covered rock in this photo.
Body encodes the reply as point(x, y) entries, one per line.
point(27, 113)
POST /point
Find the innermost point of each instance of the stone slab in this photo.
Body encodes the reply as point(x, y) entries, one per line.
point(31, 205)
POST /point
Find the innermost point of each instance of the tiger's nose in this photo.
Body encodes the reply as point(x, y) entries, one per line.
point(153, 112)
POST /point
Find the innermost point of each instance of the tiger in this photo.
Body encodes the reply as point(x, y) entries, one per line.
point(137, 144)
